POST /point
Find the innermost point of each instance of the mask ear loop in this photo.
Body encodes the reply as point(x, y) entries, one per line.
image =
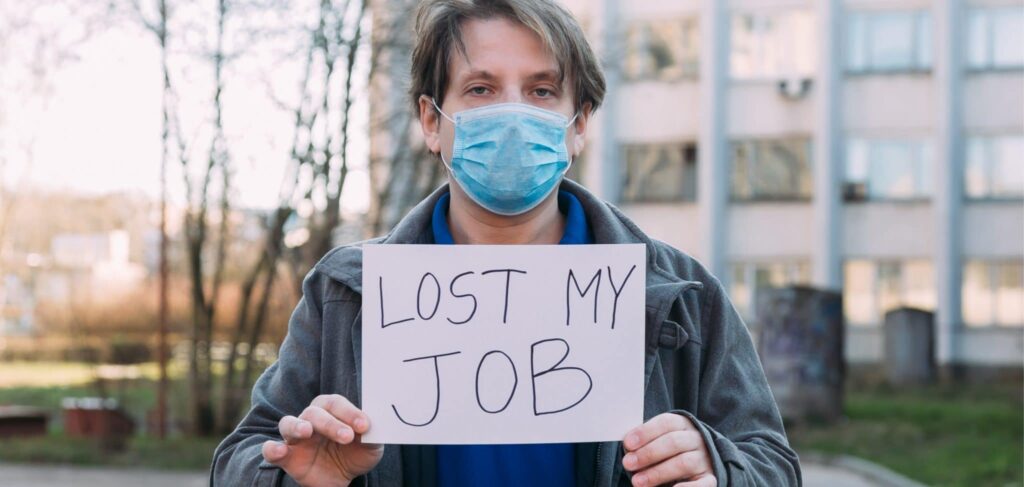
point(439, 154)
point(571, 156)
point(445, 115)
point(572, 120)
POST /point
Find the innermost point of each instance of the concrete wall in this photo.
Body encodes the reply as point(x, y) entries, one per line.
point(675, 224)
point(993, 229)
point(887, 230)
point(768, 230)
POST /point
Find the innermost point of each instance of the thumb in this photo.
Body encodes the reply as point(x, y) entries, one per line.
point(276, 453)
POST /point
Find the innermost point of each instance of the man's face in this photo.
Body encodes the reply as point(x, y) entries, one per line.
point(505, 62)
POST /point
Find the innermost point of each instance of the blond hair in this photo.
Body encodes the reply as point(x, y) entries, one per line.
point(438, 25)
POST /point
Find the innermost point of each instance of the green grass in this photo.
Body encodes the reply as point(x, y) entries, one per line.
point(946, 436)
point(56, 381)
point(953, 435)
point(136, 399)
point(142, 451)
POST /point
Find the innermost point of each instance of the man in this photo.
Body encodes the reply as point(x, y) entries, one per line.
point(505, 90)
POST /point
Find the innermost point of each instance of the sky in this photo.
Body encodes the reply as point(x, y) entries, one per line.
point(94, 124)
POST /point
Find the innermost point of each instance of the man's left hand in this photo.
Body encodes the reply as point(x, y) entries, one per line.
point(668, 449)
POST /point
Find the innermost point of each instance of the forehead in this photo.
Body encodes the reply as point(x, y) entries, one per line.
point(502, 48)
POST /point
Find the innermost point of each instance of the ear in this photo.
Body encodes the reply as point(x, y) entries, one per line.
point(581, 129)
point(430, 123)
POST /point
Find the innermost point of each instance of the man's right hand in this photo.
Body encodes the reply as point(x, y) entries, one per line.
point(322, 447)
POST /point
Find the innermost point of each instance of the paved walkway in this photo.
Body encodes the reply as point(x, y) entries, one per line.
point(53, 476)
point(48, 476)
point(817, 475)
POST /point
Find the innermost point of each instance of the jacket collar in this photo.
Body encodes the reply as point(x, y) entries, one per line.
point(609, 225)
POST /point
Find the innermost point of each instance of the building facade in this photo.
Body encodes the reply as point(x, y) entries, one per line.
point(875, 147)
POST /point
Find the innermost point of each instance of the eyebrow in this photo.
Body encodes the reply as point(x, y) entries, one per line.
point(478, 74)
point(549, 75)
point(552, 75)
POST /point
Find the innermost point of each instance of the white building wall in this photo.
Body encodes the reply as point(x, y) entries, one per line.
point(992, 347)
point(888, 105)
point(658, 112)
point(943, 105)
point(770, 230)
point(674, 224)
point(918, 105)
point(994, 102)
point(888, 230)
point(993, 229)
point(757, 109)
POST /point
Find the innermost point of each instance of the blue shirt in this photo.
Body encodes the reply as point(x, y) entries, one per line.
point(538, 465)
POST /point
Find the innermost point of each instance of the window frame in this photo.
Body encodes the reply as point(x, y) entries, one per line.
point(919, 19)
point(793, 268)
point(808, 143)
point(988, 169)
point(988, 13)
point(773, 15)
point(923, 146)
point(685, 145)
point(689, 22)
point(900, 263)
point(992, 268)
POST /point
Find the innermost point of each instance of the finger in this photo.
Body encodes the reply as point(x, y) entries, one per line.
point(705, 481)
point(343, 409)
point(294, 429)
point(662, 447)
point(655, 427)
point(275, 452)
point(682, 466)
point(327, 425)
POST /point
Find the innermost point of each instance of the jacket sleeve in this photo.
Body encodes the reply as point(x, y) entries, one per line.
point(286, 387)
point(737, 414)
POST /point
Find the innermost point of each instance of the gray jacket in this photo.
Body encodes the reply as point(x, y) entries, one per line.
point(700, 362)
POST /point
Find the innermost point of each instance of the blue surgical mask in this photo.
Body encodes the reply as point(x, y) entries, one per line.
point(508, 157)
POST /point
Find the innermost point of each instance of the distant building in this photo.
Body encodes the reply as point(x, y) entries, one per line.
point(82, 268)
point(17, 305)
point(88, 267)
point(873, 146)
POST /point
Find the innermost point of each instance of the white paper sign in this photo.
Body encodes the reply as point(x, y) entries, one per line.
point(487, 344)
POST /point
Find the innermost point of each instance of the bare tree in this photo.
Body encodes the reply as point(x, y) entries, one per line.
point(401, 171)
point(334, 75)
point(318, 170)
point(338, 60)
point(206, 191)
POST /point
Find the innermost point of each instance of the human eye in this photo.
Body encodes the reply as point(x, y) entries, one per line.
point(544, 93)
point(478, 90)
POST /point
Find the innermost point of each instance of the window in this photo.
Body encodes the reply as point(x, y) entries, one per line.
point(889, 41)
point(774, 45)
point(873, 288)
point(749, 279)
point(771, 169)
point(995, 167)
point(995, 38)
point(888, 169)
point(662, 50)
point(660, 172)
point(993, 293)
